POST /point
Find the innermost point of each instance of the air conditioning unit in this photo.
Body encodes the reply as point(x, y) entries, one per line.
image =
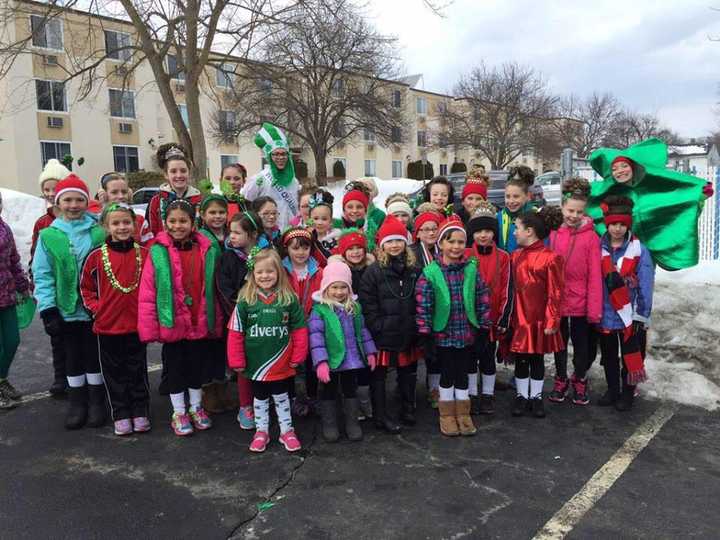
point(124, 127)
point(180, 87)
point(54, 122)
point(50, 60)
point(340, 146)
point(370, 147)
point(121, 71)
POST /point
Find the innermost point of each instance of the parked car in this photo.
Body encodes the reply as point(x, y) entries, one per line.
point(551, 184)
point(141, 198)
point(496, 189)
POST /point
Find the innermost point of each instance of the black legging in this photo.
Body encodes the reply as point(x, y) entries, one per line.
point(262, 390)
point(487, 358)
point(454, 366)
point(610, 345)
point(346, 380)
point(381, 371)
point(529, 365)
point(184, 365)
point(582, 335)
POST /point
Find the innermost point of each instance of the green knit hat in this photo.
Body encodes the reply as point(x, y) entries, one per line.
point(271, 138)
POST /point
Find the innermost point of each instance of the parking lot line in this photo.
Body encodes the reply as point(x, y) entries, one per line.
point(573, 511)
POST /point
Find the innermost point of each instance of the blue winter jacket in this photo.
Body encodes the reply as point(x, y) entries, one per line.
point(506, 227)
point(641, 294)
point(78, 232)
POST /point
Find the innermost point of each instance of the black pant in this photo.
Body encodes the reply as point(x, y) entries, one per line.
point(124, 368)
point(183, 362)
point(580, 332)
point(380, 372)
point(81, 348)
point(346, 380)
point(486, 355)
point(529, 365)
point(454, 366)
point(432, 364)
point(214, 360)
point(311, 380)
point(262, 390)
point(610, 345)
point(364, 376)
point(58, 355)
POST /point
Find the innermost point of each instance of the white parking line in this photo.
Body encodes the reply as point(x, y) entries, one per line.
point(573, 511)
point(43, 395)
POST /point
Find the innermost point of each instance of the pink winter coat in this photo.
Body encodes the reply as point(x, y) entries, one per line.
point(149, 327)
point(580, 248)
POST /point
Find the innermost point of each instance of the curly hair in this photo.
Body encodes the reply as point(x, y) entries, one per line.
point(575, 188)
point(384, 259)
point(179, 153)
point(542, 222)
point(438, 180)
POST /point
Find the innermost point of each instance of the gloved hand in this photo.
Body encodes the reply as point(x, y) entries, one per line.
point(372, 361)
point(323, 372)
point(52, 320)
point(708, 190)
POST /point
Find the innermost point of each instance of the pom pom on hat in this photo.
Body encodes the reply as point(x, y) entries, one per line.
point(350, 238)
point(451, 223)
point(355, 195)
point(53, 170)
point(391, 229)
point(70, 184)
point(336, 271)
point(474, 186)
point(483, 218)
point(371, 185)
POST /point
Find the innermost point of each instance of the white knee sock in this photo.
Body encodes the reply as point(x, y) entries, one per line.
point(195, 398)
point(536, 387)
point(462, 395)
point(261, 408)
point(488, 385)
point(178, 402)
point(94, 378)
point(472, 384)
point(447, 394)
point(434, 381)
point(284, 414)
point(76, 381)
point(521, 385)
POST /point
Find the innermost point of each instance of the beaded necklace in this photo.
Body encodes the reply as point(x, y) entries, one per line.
point(111, 276)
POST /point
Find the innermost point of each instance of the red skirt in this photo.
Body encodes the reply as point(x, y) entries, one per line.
point(399, 359)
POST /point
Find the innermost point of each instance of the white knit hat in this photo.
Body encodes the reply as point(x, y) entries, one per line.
point(54, 170)
point(399, 206)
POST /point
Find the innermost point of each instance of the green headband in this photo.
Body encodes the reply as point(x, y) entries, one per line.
point(112, 207)
point(213, 197)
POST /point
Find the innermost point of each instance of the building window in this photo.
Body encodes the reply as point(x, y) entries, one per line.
point(368, 135)
point(265, 86)
point(397, 169)
point(122, 103)
point(126, 158)
point(421, 105)
point(46, 33)
point(50, 95)
point(338, 161)
point(54, 150)
point(226, 160)
point(443, 169)
point(225, 74)
point(422, 139)
point(227, 121)
point(338, 88)
point(396, 98)
point(396, 135)
point(184, 114)
point(369, 167)
point(441, 107)
point(117, 45)
point(173, 69)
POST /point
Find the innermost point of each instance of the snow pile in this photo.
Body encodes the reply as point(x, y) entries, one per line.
point(20, 211)
point(687, 150)
point(385, 188)
point(707, 272)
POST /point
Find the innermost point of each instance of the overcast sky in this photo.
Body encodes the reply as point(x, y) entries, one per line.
point(655, 56)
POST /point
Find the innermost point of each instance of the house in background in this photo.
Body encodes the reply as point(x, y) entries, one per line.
point(695, 158)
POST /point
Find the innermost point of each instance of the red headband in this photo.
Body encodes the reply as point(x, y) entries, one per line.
point(623, 159)
point(355, 195)
point(625, 219)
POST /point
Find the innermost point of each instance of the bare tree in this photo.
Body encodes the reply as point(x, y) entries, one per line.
point(498, 111)
point(586, 124)
point(633, 127)
point(177, 39)
point(326, 79)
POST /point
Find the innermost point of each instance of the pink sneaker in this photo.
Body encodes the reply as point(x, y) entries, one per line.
point(200, 420)
point(259, 442)
point(560, 390)
point(123, 427)
point(181, 425)
point(141, 424)
point(290, 441)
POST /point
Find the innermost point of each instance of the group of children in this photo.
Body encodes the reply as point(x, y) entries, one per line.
point(340, 299)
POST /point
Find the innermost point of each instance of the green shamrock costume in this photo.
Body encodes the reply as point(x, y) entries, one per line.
point(667, 203)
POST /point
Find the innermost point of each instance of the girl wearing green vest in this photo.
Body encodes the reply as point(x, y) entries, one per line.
point(340, 346)
point(56, 266)
point(453, 312)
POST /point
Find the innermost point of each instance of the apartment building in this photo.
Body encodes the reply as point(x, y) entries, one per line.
point(115, 129)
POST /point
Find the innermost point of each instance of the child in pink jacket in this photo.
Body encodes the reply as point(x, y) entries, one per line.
point(177, 306)
point(581, 309)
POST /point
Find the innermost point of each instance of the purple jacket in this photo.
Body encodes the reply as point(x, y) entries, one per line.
point(12, 278)
point(352, 360)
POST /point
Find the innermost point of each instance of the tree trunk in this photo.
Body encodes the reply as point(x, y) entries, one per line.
point(320, 155)
point(197, 133)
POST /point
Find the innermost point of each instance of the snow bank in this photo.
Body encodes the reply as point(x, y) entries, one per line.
point(20, 211)
point(385, 188)
point(707, 272)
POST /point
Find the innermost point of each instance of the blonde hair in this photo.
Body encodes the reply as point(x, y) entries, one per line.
point(249, 292)
point(384, 259)
point(348, 305)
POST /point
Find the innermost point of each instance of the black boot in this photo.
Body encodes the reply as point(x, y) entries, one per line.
point(351, 407)
point(380, 415)
point(625, 402)
point(487, 404)
point(519, 406)
point(97, 406)
point(77, 408)
point(408, 385)
point(538, 407)
point(59, 387)
point(609, 398)
point(328, 419)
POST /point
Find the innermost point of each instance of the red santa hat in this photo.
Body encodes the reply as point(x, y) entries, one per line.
point(391, 229)
point(350, 238)
point(451, 223)
point(476, 187)
point(355, 195)
point(69, 184)
point(422, 219)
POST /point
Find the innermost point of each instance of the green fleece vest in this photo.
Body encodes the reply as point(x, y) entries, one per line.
point(441, 309)
point(57, 245)
point(334, 336)
point(164, 286)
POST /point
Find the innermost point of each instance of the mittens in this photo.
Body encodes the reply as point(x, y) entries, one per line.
point(323, 372)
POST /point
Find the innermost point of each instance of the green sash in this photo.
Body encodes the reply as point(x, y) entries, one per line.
point(334, 337)
point(441, 309)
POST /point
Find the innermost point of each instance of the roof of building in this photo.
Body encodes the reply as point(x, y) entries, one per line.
point(689, 149)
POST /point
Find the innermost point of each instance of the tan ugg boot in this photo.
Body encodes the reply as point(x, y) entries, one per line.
point(227, 396)
point(211, 400)
point(464, 421)
point(448, 423)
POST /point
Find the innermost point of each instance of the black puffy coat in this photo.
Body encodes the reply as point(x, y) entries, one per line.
point(387, 296)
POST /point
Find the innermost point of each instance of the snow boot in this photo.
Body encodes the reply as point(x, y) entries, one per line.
point(211, 399)
point(363, 394)
point(580, 390)
point(383, 421)
point(408, 382)
point(464, 421)
point(448, 421)
point(625, 402)
point(609, 398)
point(560, 390)
point(538, 407)
point(519, 406)
point(487, 404)
point(77, 408)
point(328, 419)
point(97, 408)
point(351, 408)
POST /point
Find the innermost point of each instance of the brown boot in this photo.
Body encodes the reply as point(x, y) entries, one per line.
point(210, 399)
point(448, 423)
point(462, 413)
point(227, 396)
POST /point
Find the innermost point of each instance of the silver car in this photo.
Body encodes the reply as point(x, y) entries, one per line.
point(551, 184)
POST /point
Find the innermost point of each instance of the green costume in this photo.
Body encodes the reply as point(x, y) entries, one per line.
point(667, 203)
